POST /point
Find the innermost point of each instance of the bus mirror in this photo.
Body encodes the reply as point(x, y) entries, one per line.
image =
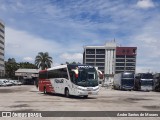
point(76, 75)
point(101, 76)
point(76, 72)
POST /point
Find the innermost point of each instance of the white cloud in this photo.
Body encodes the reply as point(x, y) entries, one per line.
point(77, 57)
point(83, 24)
point(147, 41)
point(20, 44)
point(28, 59)
point(145, 4)
point(143, 69)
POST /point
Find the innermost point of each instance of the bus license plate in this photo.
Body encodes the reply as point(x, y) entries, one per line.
point(89, 92)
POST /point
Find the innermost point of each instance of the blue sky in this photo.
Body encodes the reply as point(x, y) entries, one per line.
point(63, 27)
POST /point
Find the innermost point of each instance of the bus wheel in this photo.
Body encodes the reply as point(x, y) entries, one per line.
point(67, 92)
point(44, 90)
point(85, 96)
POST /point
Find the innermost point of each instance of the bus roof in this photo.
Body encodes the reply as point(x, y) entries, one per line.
point(73, 66)
point(57, 67)
point(70, 66)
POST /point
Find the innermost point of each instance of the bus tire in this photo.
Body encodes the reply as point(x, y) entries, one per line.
point(67, 92)
point(85, 96)
point(44, 90)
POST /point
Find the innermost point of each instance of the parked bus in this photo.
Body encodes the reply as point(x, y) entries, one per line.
point(144, 82)
point(78, 80)
point(124, 81)
point(156, 78)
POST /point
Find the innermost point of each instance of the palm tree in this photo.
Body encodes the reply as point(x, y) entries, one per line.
point(43, 60)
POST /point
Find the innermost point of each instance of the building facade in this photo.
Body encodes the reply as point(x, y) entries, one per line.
point(102, 57)
point(2, 46)
point(110, 58)
point(125, 59)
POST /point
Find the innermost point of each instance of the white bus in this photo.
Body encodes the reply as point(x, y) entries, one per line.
point(78, 80)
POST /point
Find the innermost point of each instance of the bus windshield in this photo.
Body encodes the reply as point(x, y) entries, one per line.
point(146, 83)
point(128, 82)
point(84, 76)
point(128, 75)
point(147, 76)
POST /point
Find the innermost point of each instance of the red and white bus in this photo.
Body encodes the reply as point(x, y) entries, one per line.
point(78, 80)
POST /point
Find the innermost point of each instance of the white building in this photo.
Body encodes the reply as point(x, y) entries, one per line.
point(27, 76)
point(27, 73)
point(102, 57)
point(2, 46)
point(110, 58)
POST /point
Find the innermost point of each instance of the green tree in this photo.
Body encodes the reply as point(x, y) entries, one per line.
point(27, 65)
point(43, 60)
point(10, 67)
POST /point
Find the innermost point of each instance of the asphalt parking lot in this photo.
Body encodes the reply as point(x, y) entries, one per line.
point(28, 98)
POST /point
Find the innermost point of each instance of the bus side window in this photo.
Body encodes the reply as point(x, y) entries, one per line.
point(63, 73)
point(43, 75)
point(73, 77)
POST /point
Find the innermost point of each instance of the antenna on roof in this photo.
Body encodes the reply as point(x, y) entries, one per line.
point(114, 40)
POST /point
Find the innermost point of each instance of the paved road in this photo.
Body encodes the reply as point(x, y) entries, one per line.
point(27, 98)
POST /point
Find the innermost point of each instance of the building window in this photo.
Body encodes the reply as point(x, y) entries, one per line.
point(92, 64)
point(1, 53)
point(120, 64)
point(130, 68)
point(2, 42)
point(120, 56)
point(130, 56)
point(1, 36)
point(1, 65)
point(1, 48)
point(90, 56)
point(100, 56)
point(130, 60)
point(120, 60)
point(100, 60)
point(1, 59)
point(134, 51)
point(90, 51)
point(130, 64)
point(90, 60)
point(119, 68)
point(1, 30)
point(99, 64)
point(1, 25)
point(100, 51)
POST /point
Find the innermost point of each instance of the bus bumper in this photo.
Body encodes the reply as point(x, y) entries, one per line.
point(146, 88)
point(82, 92)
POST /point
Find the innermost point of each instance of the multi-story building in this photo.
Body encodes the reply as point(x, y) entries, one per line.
point(110, 59)
point(125, 59)
point(102, 57)
point(2, 46)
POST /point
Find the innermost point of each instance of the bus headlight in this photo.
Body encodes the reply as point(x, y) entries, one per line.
point(81, 89)
point(96, 88)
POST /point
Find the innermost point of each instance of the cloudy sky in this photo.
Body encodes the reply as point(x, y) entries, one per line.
point(63, 27)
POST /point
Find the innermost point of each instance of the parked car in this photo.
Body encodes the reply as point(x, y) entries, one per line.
point(15, 82)
point(5, 82)
point(2, 83)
